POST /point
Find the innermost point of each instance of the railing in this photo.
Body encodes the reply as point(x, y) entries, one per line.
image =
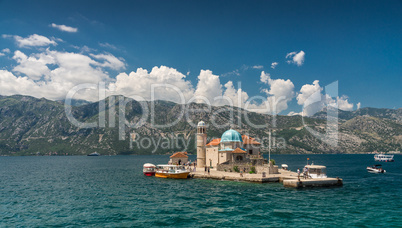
point(255, 156)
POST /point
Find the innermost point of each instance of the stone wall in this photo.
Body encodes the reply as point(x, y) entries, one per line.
point(260, 166)
point(176, 160)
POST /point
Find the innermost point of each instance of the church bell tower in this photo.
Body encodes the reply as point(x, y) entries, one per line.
point(201, 143)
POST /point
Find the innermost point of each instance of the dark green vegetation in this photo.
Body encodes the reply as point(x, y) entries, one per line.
point(30, 126)
point(236, 169)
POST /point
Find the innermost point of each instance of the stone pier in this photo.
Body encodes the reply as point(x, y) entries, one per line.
point(288, 178)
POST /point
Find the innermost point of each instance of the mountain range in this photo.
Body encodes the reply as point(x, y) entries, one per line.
point(32, 126)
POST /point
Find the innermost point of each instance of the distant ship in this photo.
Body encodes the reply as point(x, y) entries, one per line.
point(384, 157)
point(94, 154)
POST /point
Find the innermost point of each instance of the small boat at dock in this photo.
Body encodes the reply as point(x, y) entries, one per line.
point(384, 157)
point(171, 171)
point(316, 171)
point(149, 169)
point(375, 169)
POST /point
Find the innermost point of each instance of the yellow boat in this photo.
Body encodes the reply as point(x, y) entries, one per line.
point(171, 171)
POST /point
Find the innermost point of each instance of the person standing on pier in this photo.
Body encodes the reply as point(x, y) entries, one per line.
point(305, 172)
point(208, 170)
point(298, 174)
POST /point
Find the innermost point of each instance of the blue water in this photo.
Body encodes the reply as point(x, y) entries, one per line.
point(111, 191)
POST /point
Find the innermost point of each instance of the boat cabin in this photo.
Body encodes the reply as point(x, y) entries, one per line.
point(170, 168)
point(149, 169)
point(317, 171)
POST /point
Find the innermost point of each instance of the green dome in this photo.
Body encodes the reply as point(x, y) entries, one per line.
point(231, 136)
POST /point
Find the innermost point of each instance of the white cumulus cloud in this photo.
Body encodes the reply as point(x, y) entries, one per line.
point(274, 64)
point(343, 103)
point(5, 50)
point(34, 66)
point(280, 92)
point(358, 105)
point(313, 100)
point(107, 45)
point(237, 97)
point(110, 61)
point(307, 91)
point(259, 67)
point(64, 28)
point(165, 82)
point(209, 86)
point(11, 84)
point(52, 74)
point(292, 113)
point(296, 58)
point(32, 40)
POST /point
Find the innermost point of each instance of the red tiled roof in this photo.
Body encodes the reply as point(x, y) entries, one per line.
point(249, 140)
point(214, 142)
point(238, 151)
point(179, 155)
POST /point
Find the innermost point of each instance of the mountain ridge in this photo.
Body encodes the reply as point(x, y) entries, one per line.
point(32, 126)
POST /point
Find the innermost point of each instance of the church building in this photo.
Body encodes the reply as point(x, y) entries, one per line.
point(231, 147)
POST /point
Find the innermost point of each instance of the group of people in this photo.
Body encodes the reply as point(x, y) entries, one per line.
point(208, 169)
point(305, 173)
point(190, 166)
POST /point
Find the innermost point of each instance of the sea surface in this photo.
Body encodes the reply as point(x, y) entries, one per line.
point(111, 191)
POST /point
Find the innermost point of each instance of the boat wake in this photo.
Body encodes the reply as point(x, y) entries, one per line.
point(395, 174)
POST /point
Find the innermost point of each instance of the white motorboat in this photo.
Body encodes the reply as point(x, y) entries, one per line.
point(375, 169)
point(316, 171)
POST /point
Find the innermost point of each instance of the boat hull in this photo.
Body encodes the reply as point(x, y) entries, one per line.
point(373, 170)
point(183, 175)
point(384, 160)
point(149, 174)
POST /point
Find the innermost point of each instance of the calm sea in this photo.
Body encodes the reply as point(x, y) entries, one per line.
point(111, 191)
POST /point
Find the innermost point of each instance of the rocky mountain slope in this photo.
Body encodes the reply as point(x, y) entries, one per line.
point(30, 126)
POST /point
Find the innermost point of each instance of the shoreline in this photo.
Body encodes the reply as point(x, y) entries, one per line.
point(62, 155)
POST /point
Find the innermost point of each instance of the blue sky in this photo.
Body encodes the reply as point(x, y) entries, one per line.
point(357, 43)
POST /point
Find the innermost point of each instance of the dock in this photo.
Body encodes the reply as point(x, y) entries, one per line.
point(319, 182)
point(288, 178)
